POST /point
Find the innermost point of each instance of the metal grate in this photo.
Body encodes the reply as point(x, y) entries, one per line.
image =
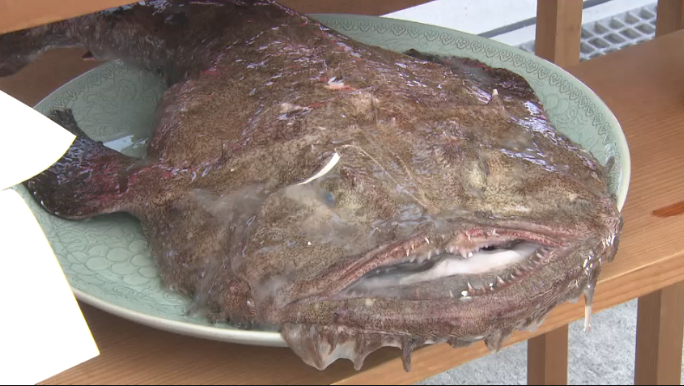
point(614, 33)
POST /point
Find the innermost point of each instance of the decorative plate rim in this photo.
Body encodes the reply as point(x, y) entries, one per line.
point(236, 336)
point(272, 338)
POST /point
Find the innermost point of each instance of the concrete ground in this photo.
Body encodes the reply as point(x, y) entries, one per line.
point(486, 16)
point(606, 355)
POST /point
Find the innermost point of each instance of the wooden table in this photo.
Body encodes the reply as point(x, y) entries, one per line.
point(643, 85)
point(20, 14)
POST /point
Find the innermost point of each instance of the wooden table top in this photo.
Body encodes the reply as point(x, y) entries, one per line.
point(644, 87)
point(20, 14)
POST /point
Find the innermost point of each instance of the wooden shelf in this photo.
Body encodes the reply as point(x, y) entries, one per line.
point(21, 14)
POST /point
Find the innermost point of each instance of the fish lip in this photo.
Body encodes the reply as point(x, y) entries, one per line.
point(329, 286)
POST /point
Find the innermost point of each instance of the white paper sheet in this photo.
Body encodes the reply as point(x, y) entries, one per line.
point(29, 142)
point(42, 329)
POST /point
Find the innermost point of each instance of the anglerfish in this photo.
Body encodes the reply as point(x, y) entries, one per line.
point(348, 196)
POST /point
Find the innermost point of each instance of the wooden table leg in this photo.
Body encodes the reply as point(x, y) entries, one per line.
point(660, 329)
point(547, 358)
point(670, 16)
point(559, 30)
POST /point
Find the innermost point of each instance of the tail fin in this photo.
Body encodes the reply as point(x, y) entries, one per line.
point(90, 179)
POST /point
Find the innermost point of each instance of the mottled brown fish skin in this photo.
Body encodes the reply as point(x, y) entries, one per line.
point(438, 156)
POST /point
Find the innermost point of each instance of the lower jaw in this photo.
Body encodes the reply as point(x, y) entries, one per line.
point(324, 330)
point(321, 346)
point(361, 326)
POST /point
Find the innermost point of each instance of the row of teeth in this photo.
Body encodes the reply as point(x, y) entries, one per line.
point(412, 257)
point(423, 257)
point(533, 262)
point(471, 290)
point(465, 253)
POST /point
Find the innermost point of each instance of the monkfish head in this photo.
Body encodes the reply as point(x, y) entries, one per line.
point(402, 234)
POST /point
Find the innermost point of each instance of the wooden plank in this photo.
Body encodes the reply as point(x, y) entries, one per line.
point(651, 253)
point(17, 15)
point(31, 83)
point(670, 16)
point(20, 14)
point(559, 29)
point(660, 330)
point(547, 358)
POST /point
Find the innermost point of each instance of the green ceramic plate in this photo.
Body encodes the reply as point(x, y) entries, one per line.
point(107, 259)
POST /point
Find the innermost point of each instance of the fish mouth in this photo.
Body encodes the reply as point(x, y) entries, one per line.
point(471, 263)
point(431, 290)
point(481, 270)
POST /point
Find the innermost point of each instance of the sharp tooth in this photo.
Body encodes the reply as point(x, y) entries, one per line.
point(588, 300)
point(518, 272)
point(407, 253)
point(495, 341)
point(470, 287)
point(407, 347)
point(429, 255)
point(427, 241)
point(500, 280)
point(451, 294)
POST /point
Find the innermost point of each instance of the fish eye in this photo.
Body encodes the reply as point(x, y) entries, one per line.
point(330, 199)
